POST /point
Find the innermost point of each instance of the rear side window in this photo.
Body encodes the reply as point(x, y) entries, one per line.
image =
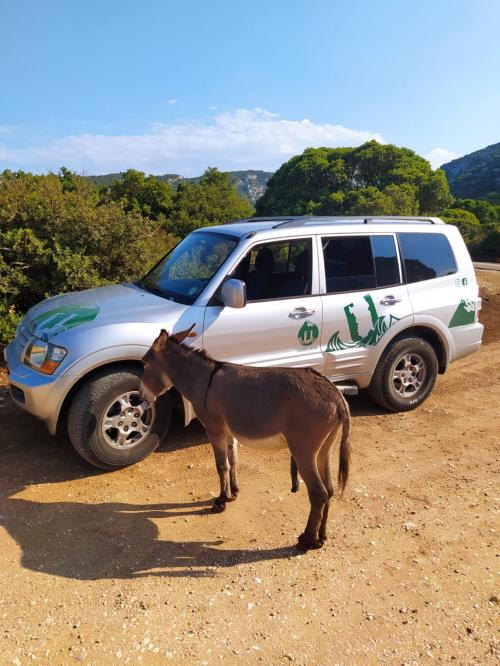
point(359, 263)
point(426, 256)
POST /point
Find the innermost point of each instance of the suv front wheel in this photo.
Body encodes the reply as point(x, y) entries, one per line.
point(107, 423)
point(405, 374)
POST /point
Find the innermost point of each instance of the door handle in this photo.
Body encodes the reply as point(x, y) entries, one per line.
point(390, 300)
point(300, 313)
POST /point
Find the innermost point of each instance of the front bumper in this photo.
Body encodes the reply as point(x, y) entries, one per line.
point(35, 392)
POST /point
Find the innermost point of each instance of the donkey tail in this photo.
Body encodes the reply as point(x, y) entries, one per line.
point(345, 449)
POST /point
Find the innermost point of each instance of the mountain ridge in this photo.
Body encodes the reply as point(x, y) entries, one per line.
point(476, 175)
point(250, 183)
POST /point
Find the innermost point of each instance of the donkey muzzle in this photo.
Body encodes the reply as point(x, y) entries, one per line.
point(146, 394)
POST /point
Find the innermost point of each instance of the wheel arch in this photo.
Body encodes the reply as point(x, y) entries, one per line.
point(430, 335)
point(178, 401)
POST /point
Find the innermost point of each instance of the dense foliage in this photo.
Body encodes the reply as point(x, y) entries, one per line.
point(60, 233)
point(370, 179)
point(476, 176)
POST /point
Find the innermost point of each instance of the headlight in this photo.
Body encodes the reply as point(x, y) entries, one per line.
point(44, 356)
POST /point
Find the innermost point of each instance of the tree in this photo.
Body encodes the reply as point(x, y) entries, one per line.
point(467, 222)
point(486, 213)
point(144, 194)
point(213, 200)
point(369, 179)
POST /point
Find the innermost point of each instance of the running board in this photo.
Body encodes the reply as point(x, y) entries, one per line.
point(347, 389)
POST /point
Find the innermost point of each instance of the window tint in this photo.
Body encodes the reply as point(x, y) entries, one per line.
point(386, 260)
point(426, 256)
point(348, 263)
point(277, 270)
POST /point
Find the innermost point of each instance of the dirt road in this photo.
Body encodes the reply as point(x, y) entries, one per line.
point(129, 567)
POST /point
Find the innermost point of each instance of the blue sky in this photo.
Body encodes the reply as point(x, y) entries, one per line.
point(173, 87)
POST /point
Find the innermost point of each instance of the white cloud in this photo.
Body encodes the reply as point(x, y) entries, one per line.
point(238, 139)
point(439, 156)
point(172, 101)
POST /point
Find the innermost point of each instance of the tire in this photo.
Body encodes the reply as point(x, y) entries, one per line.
point(96, 400)
point(405, 374)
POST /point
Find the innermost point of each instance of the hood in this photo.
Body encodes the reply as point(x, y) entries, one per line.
point(92, 308)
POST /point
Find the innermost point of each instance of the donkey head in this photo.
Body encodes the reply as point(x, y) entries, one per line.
point(155, 378)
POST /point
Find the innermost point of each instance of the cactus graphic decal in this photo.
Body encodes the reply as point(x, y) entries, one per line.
point(308, 333)
point(464, 314)
point(53, 322)
point(380, 325)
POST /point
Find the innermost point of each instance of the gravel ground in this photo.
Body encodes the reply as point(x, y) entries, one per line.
point(130, 567)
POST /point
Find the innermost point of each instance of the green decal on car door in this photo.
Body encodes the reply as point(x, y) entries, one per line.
point(380, 325)
point(464, 314)
point(308, 333)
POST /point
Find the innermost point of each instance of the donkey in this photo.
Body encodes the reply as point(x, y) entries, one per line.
point(265, 408)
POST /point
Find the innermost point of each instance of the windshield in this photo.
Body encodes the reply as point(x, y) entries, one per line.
point(183, 273)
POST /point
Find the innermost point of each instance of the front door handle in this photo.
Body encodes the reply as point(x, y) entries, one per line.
point(300, 313)
point(390, 300)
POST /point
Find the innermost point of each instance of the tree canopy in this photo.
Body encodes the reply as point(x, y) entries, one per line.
point(369, 179)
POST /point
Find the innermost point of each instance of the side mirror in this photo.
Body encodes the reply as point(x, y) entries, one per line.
point(234, 293)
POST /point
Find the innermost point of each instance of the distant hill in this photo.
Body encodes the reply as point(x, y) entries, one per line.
point(476, 176)
point(250, 184)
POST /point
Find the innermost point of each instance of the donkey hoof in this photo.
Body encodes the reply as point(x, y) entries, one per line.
point(234, 495)
point(306, 543)
point(219, 505)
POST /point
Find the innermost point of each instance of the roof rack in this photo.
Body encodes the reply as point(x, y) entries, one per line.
point(354, 219)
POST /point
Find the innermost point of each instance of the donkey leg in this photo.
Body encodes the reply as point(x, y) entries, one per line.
point(233, 464)
point(326, 477)
point(318, 497)
point(219, 445)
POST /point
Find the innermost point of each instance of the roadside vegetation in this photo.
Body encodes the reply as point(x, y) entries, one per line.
point(62, 232)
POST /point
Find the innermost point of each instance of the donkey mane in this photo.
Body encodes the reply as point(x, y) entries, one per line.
point(192, 351)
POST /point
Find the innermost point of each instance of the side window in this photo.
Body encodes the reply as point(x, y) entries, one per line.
point(386, 261)
point(426, 256)
point(277, 270)
point(348, 263)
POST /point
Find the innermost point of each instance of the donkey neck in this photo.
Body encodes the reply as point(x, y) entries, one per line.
point(189, 372)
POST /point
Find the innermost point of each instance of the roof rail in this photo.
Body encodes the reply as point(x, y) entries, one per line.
point(359, 219)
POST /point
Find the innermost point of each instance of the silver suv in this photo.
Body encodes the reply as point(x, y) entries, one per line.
point(377, 303)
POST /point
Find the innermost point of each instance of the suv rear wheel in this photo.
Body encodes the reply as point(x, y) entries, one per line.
point(405, 374)
point(107, 424)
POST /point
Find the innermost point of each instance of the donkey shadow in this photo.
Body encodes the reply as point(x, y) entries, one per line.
point(117, 540)
point(92, 541)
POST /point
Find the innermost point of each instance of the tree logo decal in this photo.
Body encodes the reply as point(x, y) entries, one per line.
point(380, 325)
point(464, 314)
point(308, 333)
point(53, 322)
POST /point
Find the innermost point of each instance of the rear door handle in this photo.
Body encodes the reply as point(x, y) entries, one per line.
point(300, 313)
point(390, 300)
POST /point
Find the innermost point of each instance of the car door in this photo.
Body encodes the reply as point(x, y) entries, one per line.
point(281, 322)
point(364, 297)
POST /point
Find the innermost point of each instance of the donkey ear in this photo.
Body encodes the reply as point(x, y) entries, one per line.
point(161, 340)
point(182, 335)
